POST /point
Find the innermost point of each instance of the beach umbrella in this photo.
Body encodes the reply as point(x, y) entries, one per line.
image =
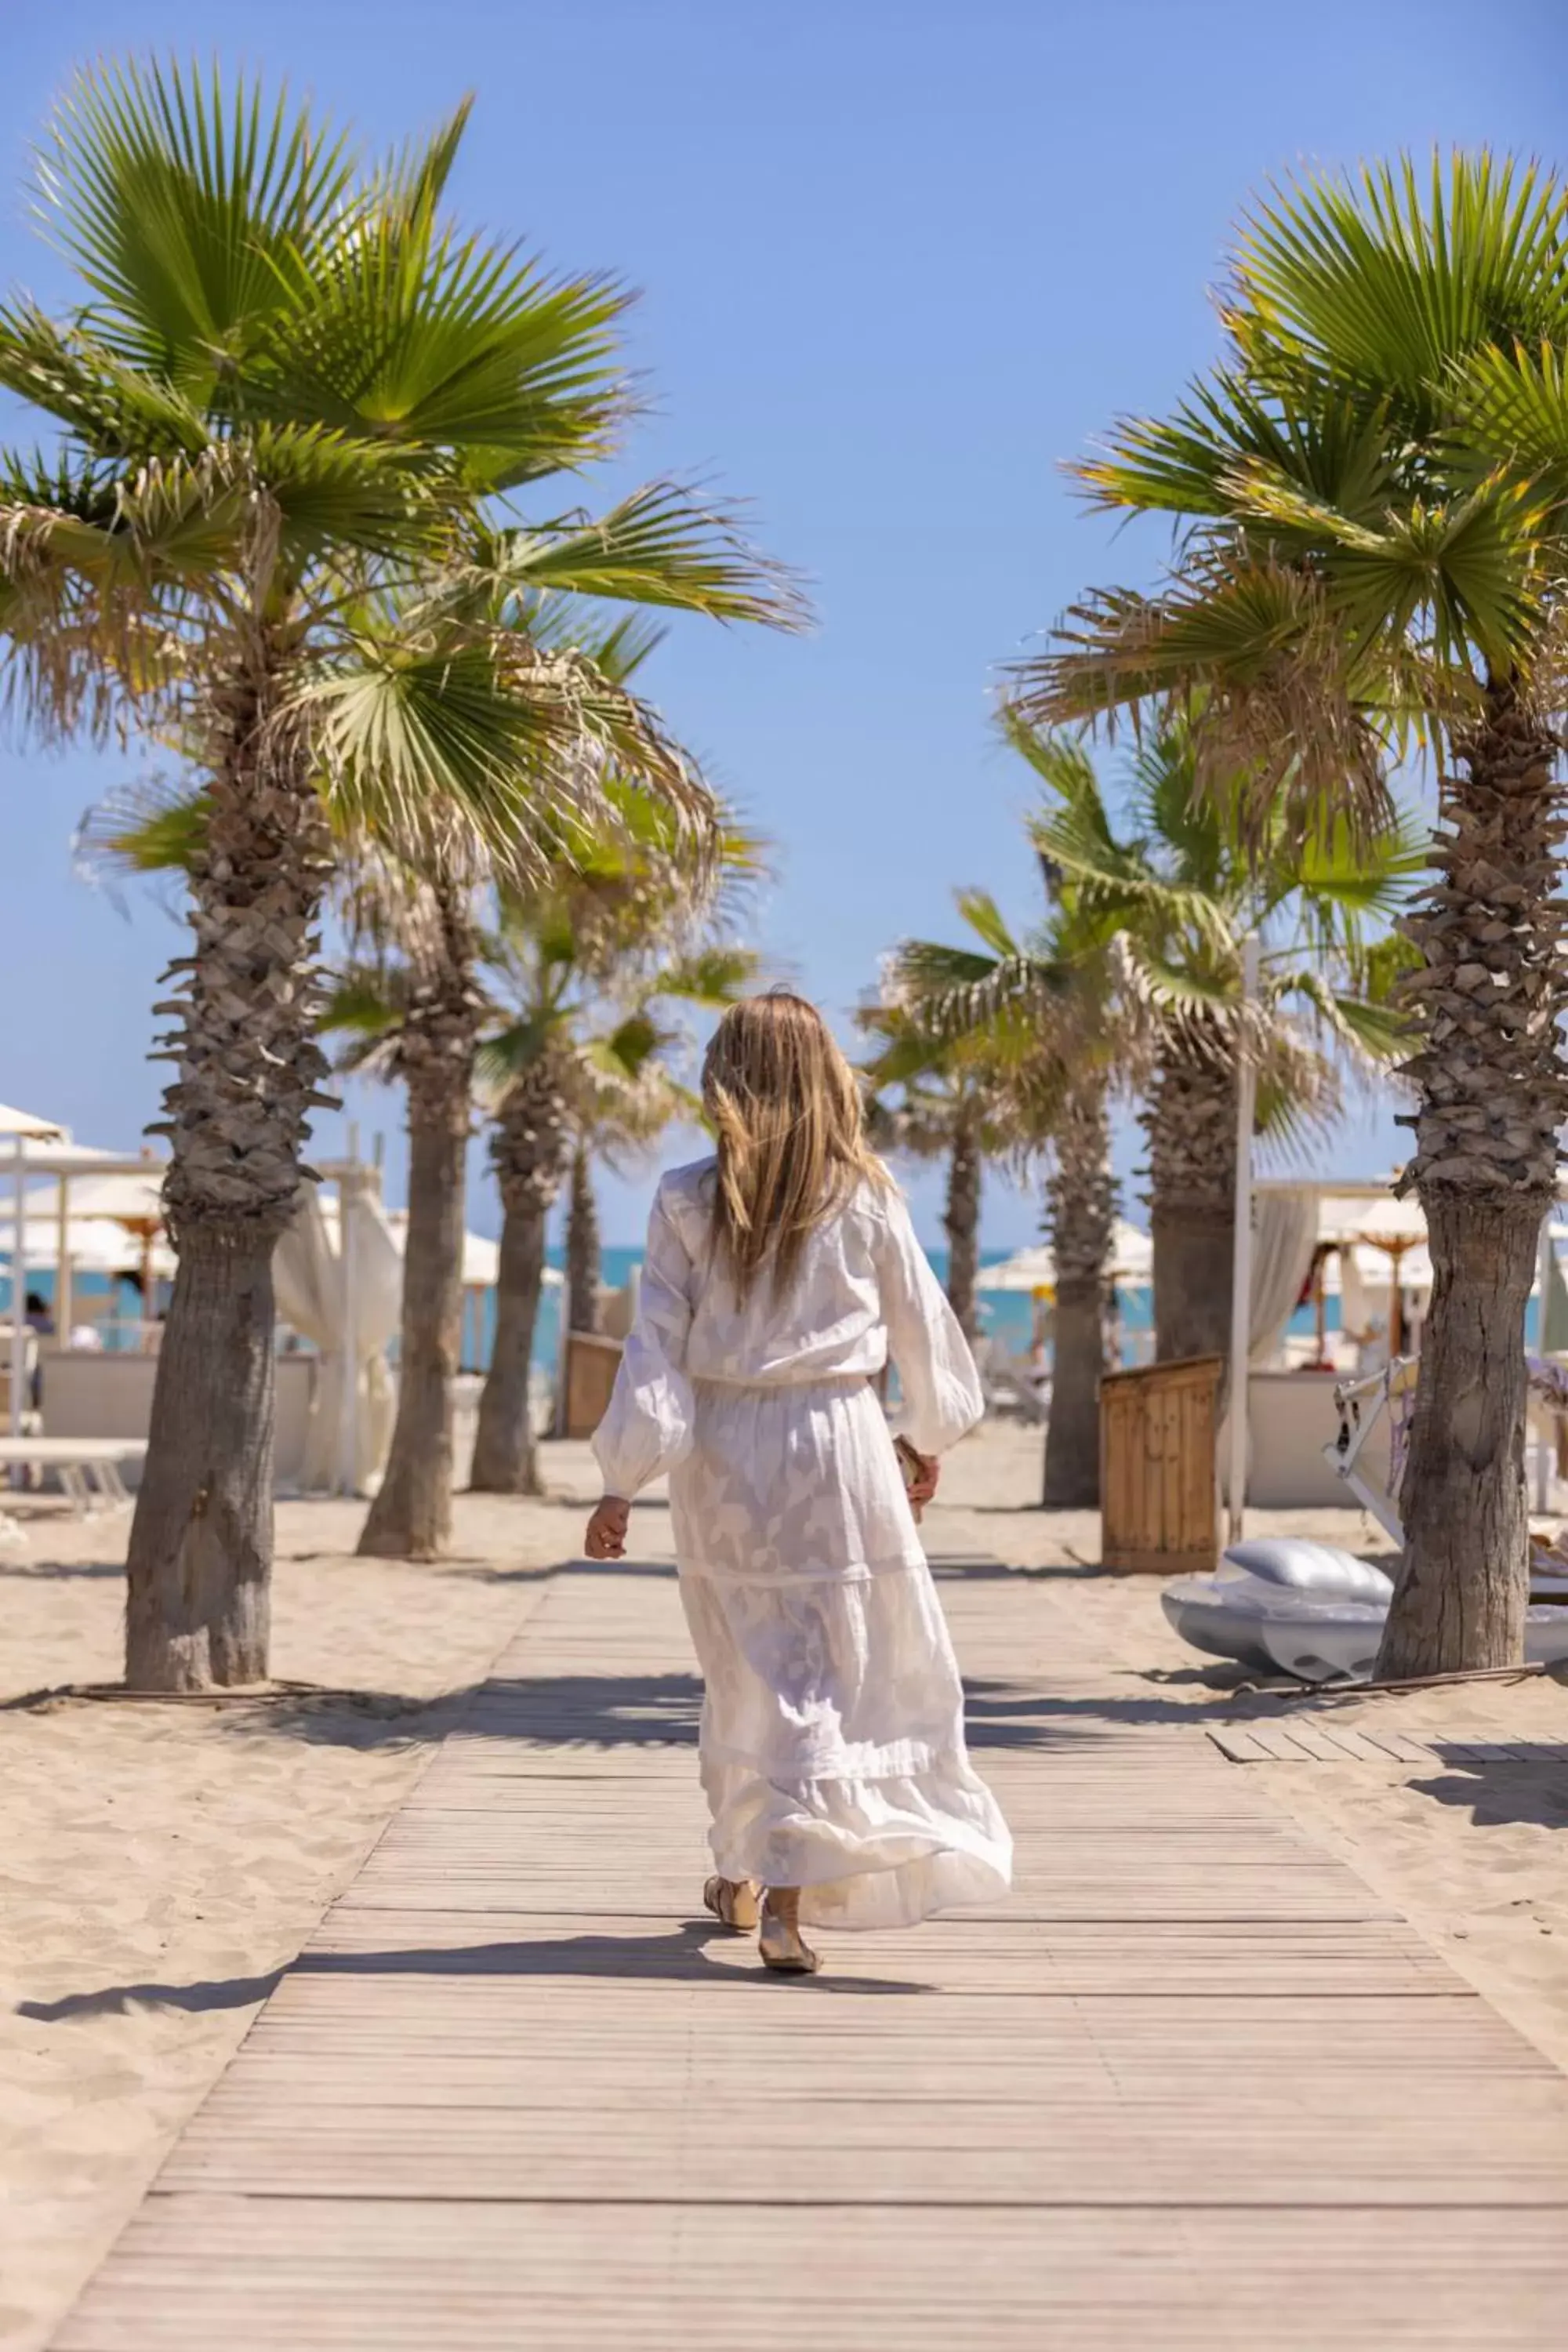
point(128, 1193)
point(64, 1164)
point(1032, 1270)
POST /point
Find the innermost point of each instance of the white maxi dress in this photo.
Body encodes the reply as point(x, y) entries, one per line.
point(832, 1745)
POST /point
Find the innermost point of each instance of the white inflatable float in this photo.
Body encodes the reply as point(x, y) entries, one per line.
point(1284, 1605)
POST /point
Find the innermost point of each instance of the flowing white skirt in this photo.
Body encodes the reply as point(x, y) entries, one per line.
point(832, 1747)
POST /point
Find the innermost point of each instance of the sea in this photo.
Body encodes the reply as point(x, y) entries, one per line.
point(1006, 1316)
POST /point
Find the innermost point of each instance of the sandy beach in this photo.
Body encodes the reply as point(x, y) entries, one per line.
point(162, 1861)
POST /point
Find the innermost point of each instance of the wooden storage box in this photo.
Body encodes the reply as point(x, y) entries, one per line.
point(1159, 1494)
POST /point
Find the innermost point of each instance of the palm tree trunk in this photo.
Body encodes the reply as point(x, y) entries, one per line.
point(1081, 1218)
point(1191, 1126)
point(960, 1222)
point(200, 1556)
point(529, 1148)
point(583, 1247)
point(411, 1517)
point(200, 1565)
point(1492, 1095)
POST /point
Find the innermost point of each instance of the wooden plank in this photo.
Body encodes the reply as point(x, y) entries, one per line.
point(1194, 2085)
point(318, 2275)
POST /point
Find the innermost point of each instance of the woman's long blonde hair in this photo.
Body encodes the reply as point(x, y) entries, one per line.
point(786, 1115)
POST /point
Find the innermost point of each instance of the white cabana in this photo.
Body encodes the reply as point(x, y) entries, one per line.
point(92, 1246)
point(22, 1125)
point(22, 1129)
point(1370, 1252)
point(1132, 1263)
point(121, 1188)
point(348, 1304)
point(346, 1300)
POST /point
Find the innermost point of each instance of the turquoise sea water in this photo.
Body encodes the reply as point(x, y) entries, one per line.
point(1007, 1315)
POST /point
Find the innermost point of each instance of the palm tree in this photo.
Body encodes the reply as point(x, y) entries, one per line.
point(1147, 930)
point(1034, 1027)
point(289, 387)
point(1374, 483)
point(642, 849)
point(580, 976)
point(1180, 891)
point(949, 1105)
point(626, 1095)
point(412, 1014)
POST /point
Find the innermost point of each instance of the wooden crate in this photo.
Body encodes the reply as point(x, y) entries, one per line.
point(1159, 1496)
point(592, 1363)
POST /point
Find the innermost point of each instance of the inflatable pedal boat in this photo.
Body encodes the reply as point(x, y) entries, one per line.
point(1286, 1605)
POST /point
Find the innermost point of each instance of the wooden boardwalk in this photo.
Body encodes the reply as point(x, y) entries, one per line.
point(1195, 2086)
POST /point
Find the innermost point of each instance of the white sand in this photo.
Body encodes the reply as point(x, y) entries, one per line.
point(160, 1861)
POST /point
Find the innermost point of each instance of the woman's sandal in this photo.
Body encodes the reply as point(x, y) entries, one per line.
point(732, 1901)
point(783, 1948)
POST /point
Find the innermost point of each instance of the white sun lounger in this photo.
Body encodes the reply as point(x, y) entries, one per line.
point(86, 1467)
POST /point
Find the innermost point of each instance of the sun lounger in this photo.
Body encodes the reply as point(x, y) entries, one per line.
point(86, 1467)
point(1284, 1605)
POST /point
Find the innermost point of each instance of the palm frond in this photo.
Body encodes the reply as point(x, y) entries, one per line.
point(985, 919)
point(150, 828)
point(189, 205)
point(659, 546)
point(1387, 275)
point(713, 976)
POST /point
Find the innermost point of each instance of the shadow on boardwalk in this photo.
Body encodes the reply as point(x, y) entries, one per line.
point(678, 1955)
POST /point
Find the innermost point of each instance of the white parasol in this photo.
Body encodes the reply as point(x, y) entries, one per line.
point(1132, 1263)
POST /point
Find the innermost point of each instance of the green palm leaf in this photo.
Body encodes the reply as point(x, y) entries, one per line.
point(1390, 274)
point(658, 547)
point(189, 208)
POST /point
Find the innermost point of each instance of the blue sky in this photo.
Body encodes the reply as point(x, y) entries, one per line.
point(897, 262)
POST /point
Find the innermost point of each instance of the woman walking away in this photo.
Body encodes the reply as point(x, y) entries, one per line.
point(780, 1276)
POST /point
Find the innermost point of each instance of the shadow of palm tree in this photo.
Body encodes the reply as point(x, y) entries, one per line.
point(1004, 1715)
point(118, 2000)
point(530, 1711)
point(56, 1571)
point(1503, 1789)
point(679, 1956)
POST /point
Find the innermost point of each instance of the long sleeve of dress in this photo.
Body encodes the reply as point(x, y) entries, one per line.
point(941, 1391)
point(647, 1426)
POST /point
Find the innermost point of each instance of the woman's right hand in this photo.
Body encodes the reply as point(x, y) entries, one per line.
point(607, 1536)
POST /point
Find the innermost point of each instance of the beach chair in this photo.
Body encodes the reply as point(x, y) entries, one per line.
point(89, 1468)
point(1010, 1384)
point(1361, 1403)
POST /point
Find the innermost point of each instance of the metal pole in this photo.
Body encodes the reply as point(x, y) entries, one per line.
point(1241, 1261)
point(1545, 1447)
point(19, 1288)
point(64, 1286)
point(149, 1294)
point(348, 1417)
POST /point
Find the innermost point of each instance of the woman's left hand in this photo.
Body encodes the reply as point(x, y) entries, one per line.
point(922, 1488)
